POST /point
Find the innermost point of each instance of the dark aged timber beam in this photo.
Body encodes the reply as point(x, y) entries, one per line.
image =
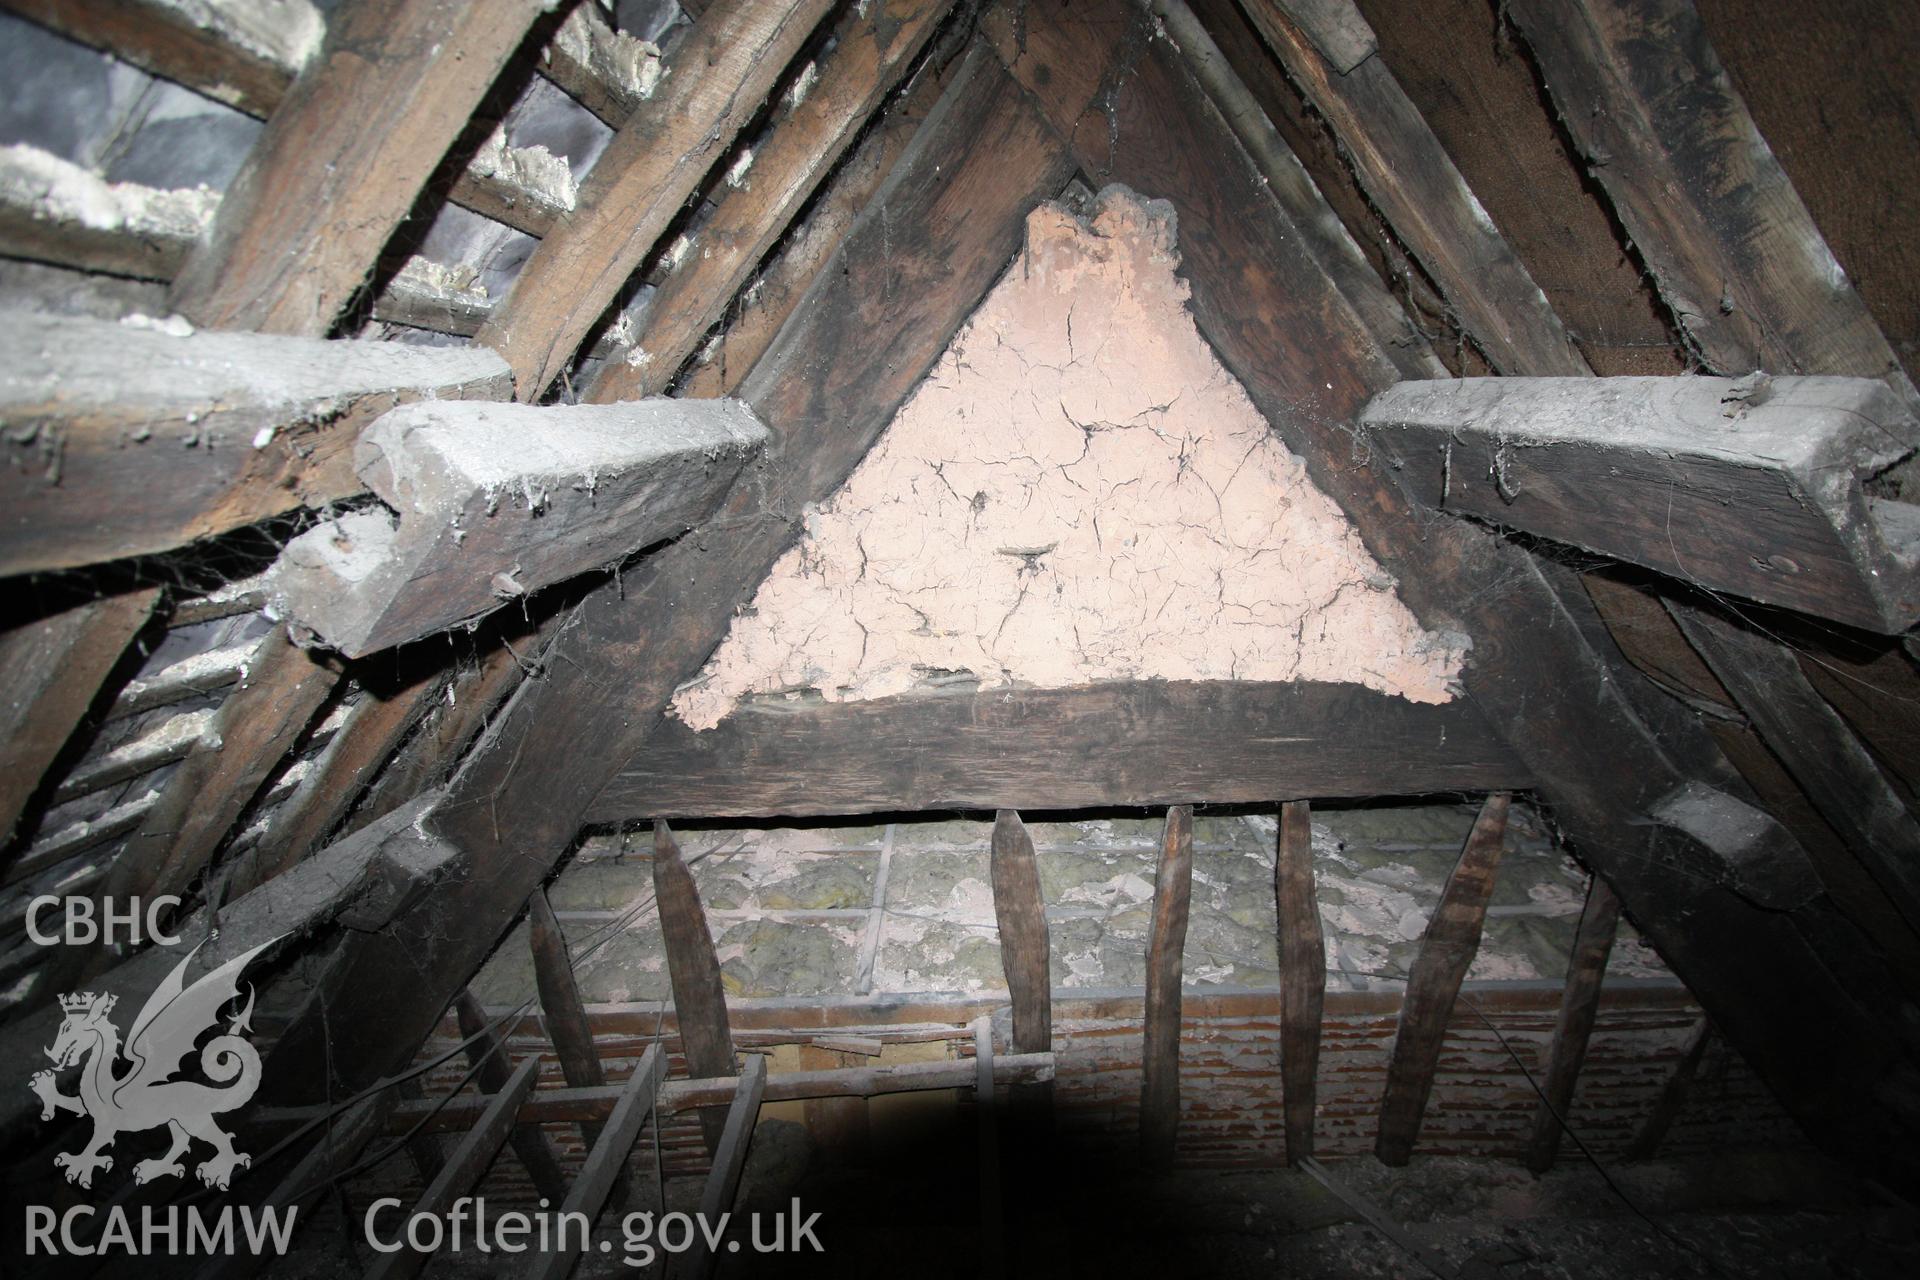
point(245, 68)
point(343, 159)
point(1433, 984)
point(877, 43)
point(463, 1168)
point(608, 1157)
point(488, 1054)
point(360, 881)
point(699, 997)
point(1755, 488)
point(1166, 945)
point(1303, 975)
point(758, 312)
point(1310, 362)
point(124, 441)
point(713, 82)
point(255, 727)
point(908, 274)
point(1229, 741)
point(729, 1160)
point(492, 502)
point(51, 671)
point(1586, 970)
point(1406, 172)
point(1818, 748)
point(1735, 253)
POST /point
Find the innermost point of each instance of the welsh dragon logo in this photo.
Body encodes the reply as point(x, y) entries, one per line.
point(144, 1095)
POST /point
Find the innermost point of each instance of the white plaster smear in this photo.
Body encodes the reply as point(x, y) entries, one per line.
point(1077, 492)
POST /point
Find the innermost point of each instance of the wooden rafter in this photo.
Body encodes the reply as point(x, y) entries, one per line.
point(1303, 975)
point(1257, 295)
point(1673, 1094)
point(352, 758)
point(1837, 773)
point(759, 311)
point(1403, 166)
point(1735, 253)
point(1166, 944)
point(1029, 748)
point(1433, 984)
point(952, 216)
point(713, 82)
point(1586, 970)
point(875, 46)
point(343, 159)
point(1025, 953)
point(52, 670)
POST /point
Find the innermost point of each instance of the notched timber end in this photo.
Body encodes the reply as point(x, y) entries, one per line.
point(1750, 486)
point(495, 501)
point(1755, 854)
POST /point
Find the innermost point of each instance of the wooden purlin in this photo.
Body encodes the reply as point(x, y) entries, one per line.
point(1309, 362)
point(873, 324)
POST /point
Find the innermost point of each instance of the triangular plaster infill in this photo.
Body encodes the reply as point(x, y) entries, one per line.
point(1077, 492)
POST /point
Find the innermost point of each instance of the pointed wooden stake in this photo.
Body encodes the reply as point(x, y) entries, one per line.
point(1303, 975)
point(1586, 969)
point(1160, 1052)
point(1446, 952)
point(699, 998)
point(1025, 952)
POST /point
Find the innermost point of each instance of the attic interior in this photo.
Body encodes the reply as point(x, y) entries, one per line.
point(1072, 637)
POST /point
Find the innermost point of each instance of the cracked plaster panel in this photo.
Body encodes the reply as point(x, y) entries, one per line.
point(1077, 492)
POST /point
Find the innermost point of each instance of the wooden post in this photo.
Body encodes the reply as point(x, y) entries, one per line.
point(564, 1014)
point(1586, 970)
point(993, 1243)
point(464, 1167)
point(723, 1180)
point(699, 997)
point(1446, 952)
point(608, 1157)
point(488, 1053)
point(1160, 1048)
point(1025, 952)
point(51, 671)
point(1303, 975)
